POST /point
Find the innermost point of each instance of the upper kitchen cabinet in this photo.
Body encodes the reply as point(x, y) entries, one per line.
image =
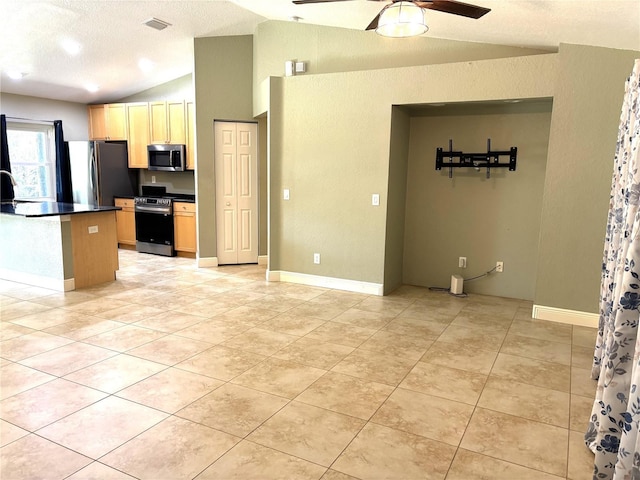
point(138, 134)
point(108, 122)
point(167, 120)
point(191, 129)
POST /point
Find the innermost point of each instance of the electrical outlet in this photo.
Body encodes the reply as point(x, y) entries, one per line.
point(316, 258)
point(462, 262)
point(499, 267)
point(153, 179)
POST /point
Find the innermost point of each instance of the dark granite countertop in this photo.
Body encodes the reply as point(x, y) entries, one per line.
point(49, 209)
point(185, 198)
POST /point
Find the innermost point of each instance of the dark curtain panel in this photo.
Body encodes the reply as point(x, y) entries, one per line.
point(6, 187)
point(64, 192)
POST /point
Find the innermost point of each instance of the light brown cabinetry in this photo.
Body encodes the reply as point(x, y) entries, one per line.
point(138, 134)
point(125, 221)
point(167, 122)
point(108, 122)
point(191, 130)
point(143, 124)
point(184, 227)
point(95, 252)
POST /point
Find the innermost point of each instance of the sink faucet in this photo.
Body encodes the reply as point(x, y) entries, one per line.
point(13, 180)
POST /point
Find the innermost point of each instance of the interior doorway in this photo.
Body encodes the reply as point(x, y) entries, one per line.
point(236, 182)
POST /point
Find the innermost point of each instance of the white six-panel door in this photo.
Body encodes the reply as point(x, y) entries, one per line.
point(236, 178)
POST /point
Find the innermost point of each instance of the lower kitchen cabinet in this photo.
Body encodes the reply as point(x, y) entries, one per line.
point(125, 221)
point(184, 226)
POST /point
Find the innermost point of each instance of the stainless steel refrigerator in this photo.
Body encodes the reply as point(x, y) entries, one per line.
point(100, 171)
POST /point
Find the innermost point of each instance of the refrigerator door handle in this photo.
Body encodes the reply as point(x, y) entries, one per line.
point(95, 180)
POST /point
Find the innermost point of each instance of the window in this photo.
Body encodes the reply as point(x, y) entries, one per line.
point(33, 160)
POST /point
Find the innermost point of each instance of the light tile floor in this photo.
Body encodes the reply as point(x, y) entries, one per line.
point(174, 372)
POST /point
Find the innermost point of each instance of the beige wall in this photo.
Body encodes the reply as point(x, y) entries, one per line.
point(485, 220)
point(586, 112)
point(75, 120)
point(176, 182)
point(178, 89)
point(223, 91)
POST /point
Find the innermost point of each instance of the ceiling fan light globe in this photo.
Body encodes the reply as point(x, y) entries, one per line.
point(402, 19)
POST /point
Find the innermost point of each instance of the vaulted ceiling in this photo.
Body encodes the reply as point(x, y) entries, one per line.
point(117, 54)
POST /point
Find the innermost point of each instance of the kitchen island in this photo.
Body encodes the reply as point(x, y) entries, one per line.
point(61, 246)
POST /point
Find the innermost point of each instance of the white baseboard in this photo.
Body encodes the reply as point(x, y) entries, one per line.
point(58, 284)
point(263, 259)
point(326, 282)
point(562, 315)
point(207, 262)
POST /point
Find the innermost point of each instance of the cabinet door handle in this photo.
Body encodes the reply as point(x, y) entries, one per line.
point(228, 204)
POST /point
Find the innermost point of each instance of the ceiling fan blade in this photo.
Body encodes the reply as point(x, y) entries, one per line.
point(457, 8)
point(374, 23)
point(303, 2)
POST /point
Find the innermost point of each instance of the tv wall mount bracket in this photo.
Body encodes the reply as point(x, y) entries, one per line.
point(488, 160)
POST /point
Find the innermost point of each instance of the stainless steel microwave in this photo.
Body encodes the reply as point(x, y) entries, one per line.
point(167, 157)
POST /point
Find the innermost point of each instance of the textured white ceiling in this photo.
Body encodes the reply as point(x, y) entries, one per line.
point(113, 38)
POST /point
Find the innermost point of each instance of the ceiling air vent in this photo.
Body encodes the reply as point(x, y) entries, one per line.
point(156, 23)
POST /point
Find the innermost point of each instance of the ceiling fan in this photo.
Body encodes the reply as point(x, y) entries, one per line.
point(446, 6)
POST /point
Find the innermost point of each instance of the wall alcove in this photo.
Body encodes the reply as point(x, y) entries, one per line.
point(485, 220)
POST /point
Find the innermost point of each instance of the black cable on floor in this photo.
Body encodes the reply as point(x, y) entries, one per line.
point(462, 295)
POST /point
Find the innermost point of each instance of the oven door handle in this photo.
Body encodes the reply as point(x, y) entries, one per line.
point(164, 211)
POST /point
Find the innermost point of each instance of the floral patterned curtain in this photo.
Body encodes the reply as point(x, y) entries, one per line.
point(613, 432)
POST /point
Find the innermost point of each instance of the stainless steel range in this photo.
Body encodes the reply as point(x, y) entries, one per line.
point(154, 225)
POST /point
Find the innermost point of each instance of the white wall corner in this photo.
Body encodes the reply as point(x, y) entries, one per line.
point(263, 259)
point(562, 315)
point(58, 284)
point(273, 276)
point(206, 262)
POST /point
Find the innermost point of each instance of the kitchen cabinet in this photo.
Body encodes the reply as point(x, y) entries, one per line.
point(125, 221)
point(191, 130)
point(167, 122)
point(184, 227)
point(138, 134)
point(108, 122)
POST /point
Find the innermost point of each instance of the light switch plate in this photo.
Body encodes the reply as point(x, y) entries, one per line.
point(285, 194)
point(375, 199)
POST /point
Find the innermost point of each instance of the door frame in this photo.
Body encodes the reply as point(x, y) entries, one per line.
point(215, 177)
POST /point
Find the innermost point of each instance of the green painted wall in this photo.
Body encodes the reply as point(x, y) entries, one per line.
point(329, 141)
point(223, 91)
point(588, 94)
point(331, 49)
point(332, 149)
point(263, 182)
point(396, 194)
point(485, 220)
